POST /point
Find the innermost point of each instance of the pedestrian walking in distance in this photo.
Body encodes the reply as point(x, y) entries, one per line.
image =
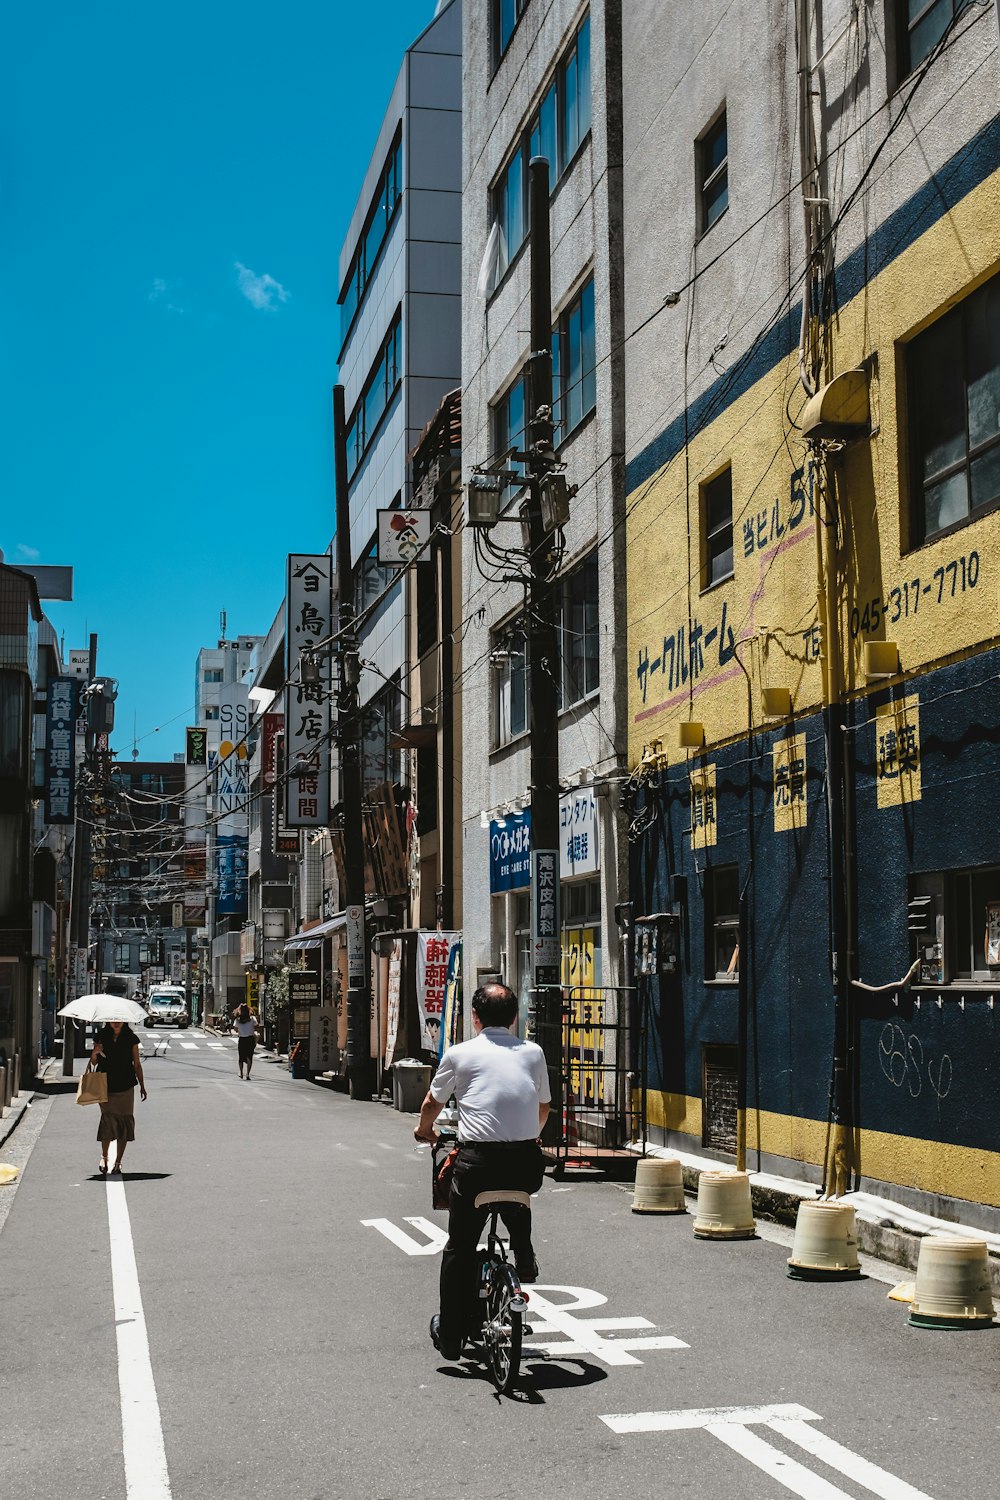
point(501, 1087)
point(118, 1045)
point(246, 1031)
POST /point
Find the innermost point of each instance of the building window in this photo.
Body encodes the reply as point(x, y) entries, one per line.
point(579, 633)
point(214, 674)
point(712, 152)
point(427, 788)
point(574, 364)
point(556, 131)
point(717, 528)
point(505, 16)
point(509, 421)
point(123, 958)
point(954, 918)
point(379, 389)
point(920, 26)
point(509, 666)
point(953, 372)
point(722, 922)
point(380, 217)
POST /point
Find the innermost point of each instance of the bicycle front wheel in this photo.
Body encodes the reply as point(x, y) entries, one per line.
point(504, 1328)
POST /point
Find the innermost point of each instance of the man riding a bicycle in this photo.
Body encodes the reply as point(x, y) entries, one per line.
point(501, 1087)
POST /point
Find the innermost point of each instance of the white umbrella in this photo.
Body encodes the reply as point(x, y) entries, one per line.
point(103, 1008)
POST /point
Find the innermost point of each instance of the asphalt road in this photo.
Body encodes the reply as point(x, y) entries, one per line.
point(285, 1334)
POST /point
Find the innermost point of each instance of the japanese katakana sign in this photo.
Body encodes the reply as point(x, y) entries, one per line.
point(790, 806)
point(579, 852)
point(510, 852)
point(60, 749)
point(308, 624)
point(897, 751)
point(433, 954)
point(703, 808)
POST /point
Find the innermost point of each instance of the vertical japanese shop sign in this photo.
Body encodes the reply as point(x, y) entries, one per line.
point(395, 987)
point(789, 756)
point(897, 751)
point(308, 623)
point(60, 749)
point(272, 726)
point(545, 944)
point(433, 956)
point(197, 746)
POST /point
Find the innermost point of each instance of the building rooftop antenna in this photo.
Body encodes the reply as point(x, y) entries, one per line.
point(222, 624)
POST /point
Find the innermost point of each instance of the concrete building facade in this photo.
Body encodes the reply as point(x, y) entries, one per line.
point(543, 81)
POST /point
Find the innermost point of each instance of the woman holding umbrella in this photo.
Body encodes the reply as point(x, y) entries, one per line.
point(118, 1044)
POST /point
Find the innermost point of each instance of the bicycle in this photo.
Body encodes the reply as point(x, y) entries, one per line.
point(499, 1285)
point(500, 1289)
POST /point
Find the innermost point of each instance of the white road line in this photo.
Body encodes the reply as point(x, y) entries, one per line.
point(787, 1471)
point(191, 1046)
point(146, 1476)
point(215, 1047)
point(677, 1421)
point(436, 1235)
point(851, 1465)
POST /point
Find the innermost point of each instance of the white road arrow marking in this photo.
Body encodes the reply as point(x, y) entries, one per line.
point(851, 1465)
point(794, 1476)
point(731, 1425)
point(676, 1421)
point(436, 1235)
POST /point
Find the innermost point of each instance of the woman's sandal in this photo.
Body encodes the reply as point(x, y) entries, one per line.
point(103, 1168)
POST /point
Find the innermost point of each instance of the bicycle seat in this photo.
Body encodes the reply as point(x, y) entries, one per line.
point(503, 1195)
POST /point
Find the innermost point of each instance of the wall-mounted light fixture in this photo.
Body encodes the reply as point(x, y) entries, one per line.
point(691, 735)
point(881, 660)
point(777, 702)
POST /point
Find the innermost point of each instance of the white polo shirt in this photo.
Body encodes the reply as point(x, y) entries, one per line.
point(498, 1082)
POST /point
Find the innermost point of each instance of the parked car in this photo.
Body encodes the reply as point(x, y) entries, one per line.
point(167, 1006)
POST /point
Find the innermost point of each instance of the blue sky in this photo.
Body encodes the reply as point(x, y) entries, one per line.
point(175, 185)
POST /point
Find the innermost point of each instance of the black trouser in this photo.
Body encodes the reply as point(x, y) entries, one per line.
point(482, 1167)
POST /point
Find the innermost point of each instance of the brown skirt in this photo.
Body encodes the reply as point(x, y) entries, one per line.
point(117, 1118)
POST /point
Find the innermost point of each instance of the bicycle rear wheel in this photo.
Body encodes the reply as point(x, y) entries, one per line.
point(503, 1330)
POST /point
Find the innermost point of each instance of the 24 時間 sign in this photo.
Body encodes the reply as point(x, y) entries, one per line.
point(308, 623)
point(60, 749)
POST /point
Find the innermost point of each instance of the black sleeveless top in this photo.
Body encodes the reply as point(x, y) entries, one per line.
point(118, 1058)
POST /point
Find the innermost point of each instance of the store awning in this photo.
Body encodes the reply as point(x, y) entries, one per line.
point(314, 936)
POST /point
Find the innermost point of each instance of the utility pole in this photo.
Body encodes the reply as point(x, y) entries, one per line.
point(359, 1070)
point(543, 652)
point(79, 900)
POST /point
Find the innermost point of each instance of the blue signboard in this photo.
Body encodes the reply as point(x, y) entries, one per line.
point(231, 875)
point(61, 712)
point(510, 852)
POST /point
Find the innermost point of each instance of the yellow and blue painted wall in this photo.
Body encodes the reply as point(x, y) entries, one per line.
point(920, 748)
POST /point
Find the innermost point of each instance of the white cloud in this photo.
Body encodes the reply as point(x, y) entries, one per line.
point(163, 291)
point(26, 553)
point(260, 291)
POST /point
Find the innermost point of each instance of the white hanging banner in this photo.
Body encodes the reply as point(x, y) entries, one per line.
point(433, 953)
point(392, 1003)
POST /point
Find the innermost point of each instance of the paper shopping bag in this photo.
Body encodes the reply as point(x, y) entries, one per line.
point(92, 1088)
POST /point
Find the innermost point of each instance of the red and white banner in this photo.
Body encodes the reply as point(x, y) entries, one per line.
point(433, 953)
